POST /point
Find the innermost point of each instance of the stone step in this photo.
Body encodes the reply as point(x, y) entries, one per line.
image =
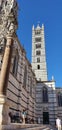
point(36, 128)
point(39, 128)
point(18, 126)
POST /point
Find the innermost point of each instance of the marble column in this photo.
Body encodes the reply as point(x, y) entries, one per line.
point(4, 106)
point(6, 66)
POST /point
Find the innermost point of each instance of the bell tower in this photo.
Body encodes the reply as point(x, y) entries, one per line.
point(38, 53)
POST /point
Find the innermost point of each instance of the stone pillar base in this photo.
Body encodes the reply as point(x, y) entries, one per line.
point(4, 109)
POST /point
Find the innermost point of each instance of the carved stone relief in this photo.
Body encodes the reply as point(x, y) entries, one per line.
point(8, 18)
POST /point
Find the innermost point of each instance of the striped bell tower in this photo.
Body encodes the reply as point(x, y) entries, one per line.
point(38, 53)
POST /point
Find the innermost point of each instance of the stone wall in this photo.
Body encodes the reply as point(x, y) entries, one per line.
point(21, 83)
point(50, 106)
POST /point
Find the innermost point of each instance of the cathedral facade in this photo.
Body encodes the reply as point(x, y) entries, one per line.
point(28, 85)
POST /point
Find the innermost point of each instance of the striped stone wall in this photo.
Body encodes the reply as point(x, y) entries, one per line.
point(21, 84)
point(50, 106)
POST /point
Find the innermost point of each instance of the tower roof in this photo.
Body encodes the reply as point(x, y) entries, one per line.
point(38, 26)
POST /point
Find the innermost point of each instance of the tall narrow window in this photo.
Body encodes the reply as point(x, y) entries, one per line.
point(30, 86)
point(45, 95)
point(59, 99)
point(25, 77)
point(15, 65)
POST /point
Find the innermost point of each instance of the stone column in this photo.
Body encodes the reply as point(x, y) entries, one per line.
point(4, 108)
point(8, 27)
point(6, 66)
point(4, 81)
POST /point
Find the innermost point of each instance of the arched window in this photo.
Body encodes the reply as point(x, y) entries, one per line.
point(45, 95)
point(38, 67)
point(59, 99)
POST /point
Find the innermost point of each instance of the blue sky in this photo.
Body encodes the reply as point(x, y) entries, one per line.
point(49, 13)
